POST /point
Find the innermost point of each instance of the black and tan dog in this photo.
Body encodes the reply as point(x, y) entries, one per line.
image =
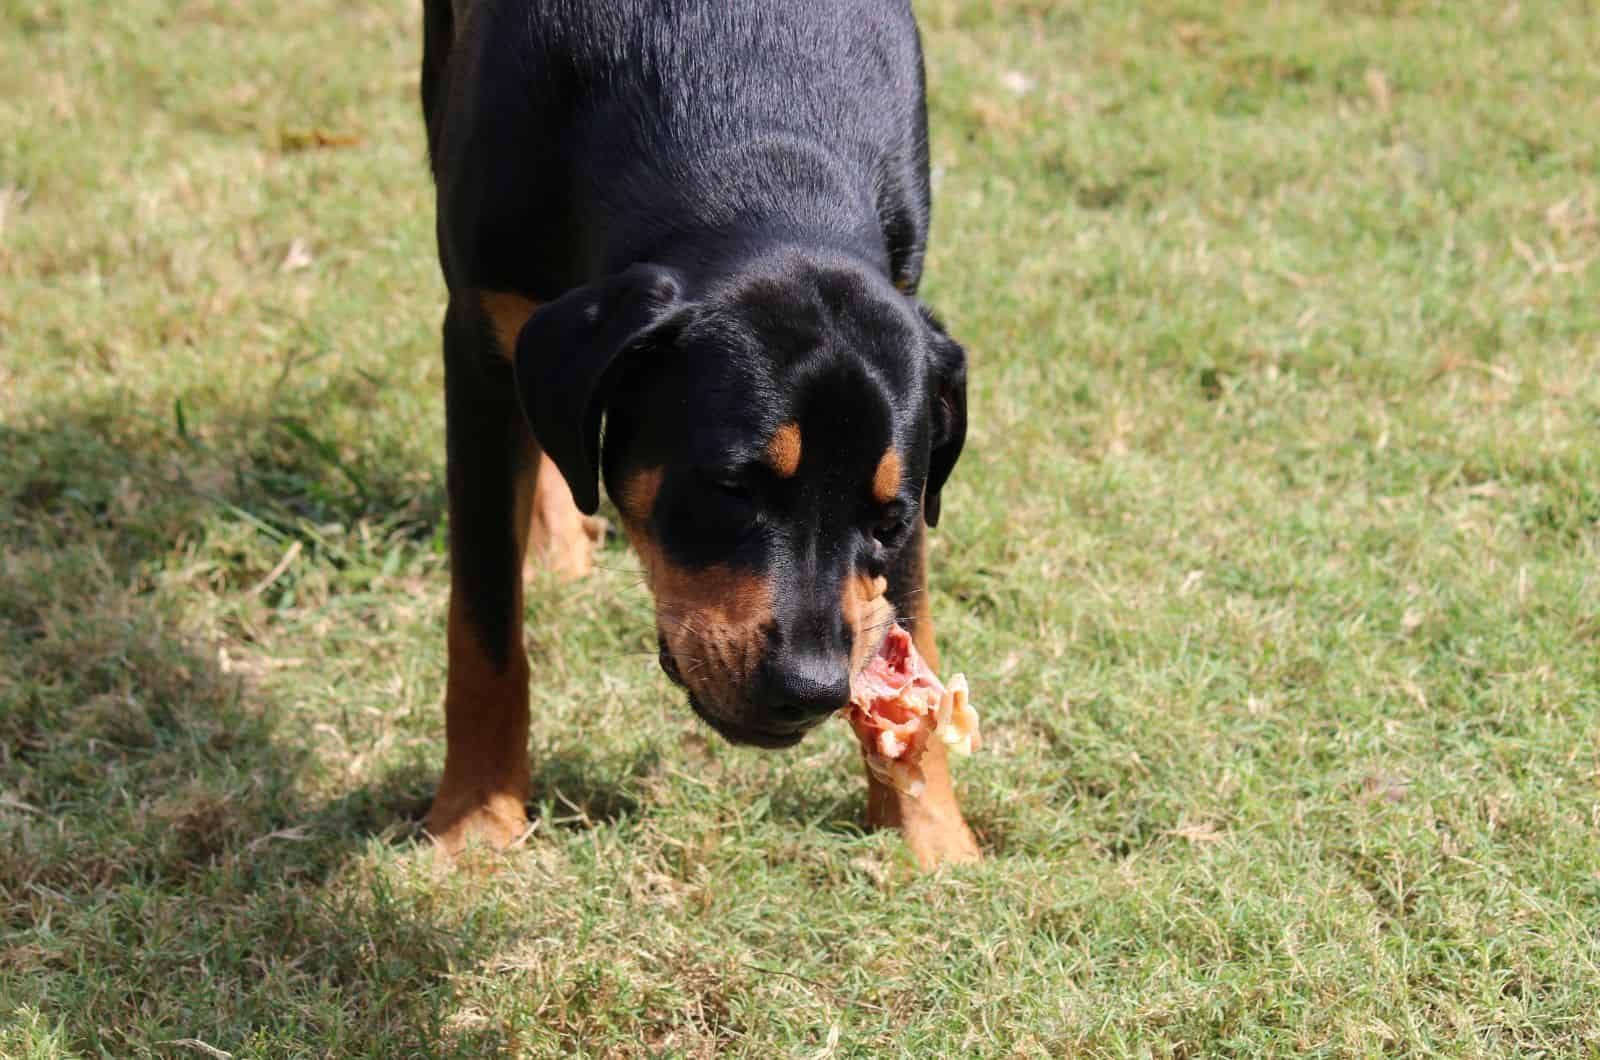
point(703, 221)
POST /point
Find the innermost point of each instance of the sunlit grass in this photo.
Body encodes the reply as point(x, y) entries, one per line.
point(1272, 560)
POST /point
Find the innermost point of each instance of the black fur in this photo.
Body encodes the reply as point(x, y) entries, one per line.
point(487, 439)
point(722, 207)
point(570, 351)
point(575, 138)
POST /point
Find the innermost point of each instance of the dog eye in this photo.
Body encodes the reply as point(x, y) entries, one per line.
point(731, 496)
point(888, 531)
point(733, 490)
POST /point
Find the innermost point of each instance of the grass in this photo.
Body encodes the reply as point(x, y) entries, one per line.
point(1273, 563)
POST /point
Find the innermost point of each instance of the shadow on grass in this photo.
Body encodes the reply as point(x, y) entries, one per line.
point(837, 806)
point(163, 874)
point(574, 790)
point(151, 482)
point(160, 876)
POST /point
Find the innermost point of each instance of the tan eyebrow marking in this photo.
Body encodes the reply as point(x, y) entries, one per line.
point(886, 480)
point(783, 450)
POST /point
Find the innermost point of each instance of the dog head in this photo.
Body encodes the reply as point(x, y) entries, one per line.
point(773, 443)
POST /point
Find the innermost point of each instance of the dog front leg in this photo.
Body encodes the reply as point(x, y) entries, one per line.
point(561, 538)
point(932, 823)
point(492, 464)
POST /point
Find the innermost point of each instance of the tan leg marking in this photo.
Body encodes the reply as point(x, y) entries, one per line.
point(561, 538)
point(485, 783)
point(922, 624)
point(507, 312)
point(932, 824)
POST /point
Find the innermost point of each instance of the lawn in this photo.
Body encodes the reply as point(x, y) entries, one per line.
point(1274, 562)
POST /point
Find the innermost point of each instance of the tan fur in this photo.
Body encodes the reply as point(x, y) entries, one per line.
point(715, 624)
point(507, 312)
point(637, 497)
point(863, 605)
point(783, 450)
point(931, 823)
point(561, 538)
point(922, 630)
point(485, 782)
point(886, 479)
point(714, 621)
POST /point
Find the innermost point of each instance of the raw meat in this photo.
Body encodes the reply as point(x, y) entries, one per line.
point(897, 704)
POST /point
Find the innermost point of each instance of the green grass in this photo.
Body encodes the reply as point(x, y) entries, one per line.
point(1274, 562)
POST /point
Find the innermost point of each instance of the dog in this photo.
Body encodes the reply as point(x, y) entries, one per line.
point(702, 222)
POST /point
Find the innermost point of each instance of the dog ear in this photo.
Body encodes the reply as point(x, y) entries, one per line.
point(947, 385)
point(568, 357)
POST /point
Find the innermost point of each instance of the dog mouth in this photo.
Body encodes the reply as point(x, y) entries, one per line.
point(740, 735)
point(770, 739)
point(880, 635)
point(669, 665)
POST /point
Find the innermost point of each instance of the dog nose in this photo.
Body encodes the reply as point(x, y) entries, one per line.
point(808, 688)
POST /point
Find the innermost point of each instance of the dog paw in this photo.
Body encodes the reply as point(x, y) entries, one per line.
point(568, 550)
point(943, 844)
point(936, 835)
point(930, 822)
point(496, 821)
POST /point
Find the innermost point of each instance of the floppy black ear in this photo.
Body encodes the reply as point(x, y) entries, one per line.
point(947, 384)
point(568, 355)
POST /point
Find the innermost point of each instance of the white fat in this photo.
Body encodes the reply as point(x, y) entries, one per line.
point(904, 777)
point(957, 721)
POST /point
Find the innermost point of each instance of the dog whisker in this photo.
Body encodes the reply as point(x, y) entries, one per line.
point(619, 570)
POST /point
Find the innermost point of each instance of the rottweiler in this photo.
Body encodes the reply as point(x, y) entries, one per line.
point(702, 222)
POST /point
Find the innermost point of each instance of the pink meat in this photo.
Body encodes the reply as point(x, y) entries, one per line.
point(896, 703)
